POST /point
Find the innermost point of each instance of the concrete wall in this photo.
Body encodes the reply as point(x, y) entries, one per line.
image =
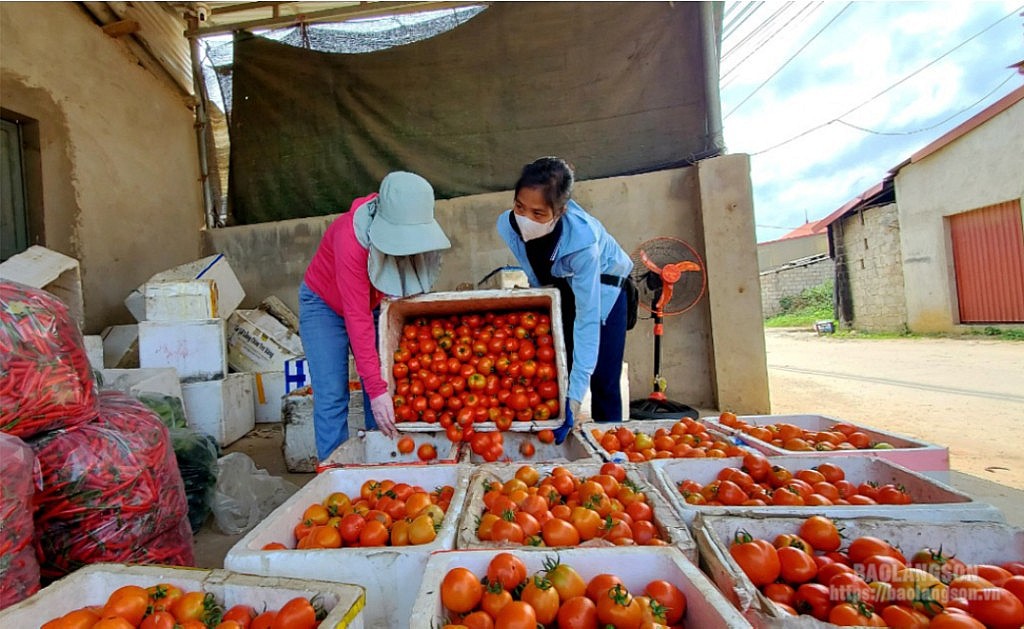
point(983, 167)
point(114, 149)
point(270, 259)
point(791, 280)
point(871, 241)
point(776, 253)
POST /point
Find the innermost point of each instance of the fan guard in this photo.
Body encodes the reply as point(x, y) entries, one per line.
point(663, 250)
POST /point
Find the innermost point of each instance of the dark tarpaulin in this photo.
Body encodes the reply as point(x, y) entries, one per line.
point(615, 88)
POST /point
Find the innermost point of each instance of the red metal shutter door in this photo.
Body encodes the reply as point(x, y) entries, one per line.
point(988, 257)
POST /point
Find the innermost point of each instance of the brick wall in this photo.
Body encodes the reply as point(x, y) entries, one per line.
point(791, 280)
point(871, 243)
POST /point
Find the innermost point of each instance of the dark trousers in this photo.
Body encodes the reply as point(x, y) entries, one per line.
point(605, 395)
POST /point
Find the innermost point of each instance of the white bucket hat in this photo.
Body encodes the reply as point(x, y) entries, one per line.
point(404, 222)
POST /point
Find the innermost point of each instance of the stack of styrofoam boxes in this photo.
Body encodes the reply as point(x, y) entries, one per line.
point(93, 584)
point(181, 314)
point(259, 343)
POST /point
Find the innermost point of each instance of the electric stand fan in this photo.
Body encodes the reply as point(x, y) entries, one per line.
point(670, 279)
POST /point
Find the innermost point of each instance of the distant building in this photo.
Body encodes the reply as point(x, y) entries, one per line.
point(793, 263)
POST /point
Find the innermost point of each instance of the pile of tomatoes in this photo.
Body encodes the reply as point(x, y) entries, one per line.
point(462, 370)
point(759, 483)
point(508, 597)
point(166, 606)
point(840, 436)
point(870, 582)
point(562, 509)
point(385, 513)
point(686, 438)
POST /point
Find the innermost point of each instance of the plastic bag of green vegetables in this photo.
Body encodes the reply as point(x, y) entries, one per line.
point(197, 460)
point(169, 408)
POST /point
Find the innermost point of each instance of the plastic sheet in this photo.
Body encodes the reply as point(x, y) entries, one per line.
point(47, 383)
point(110, 487)
point(246, 495)
point(19, 569)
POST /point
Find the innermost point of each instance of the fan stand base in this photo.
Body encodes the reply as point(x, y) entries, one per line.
point(656, 406)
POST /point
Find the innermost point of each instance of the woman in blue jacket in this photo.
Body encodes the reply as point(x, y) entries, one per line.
point(558, 243)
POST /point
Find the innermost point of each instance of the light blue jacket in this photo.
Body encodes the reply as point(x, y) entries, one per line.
point(584, 252)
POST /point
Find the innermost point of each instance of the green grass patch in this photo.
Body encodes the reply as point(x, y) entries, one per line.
point(1008, 334)
point(803, 310)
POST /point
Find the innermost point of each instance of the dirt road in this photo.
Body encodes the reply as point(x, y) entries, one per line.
point(967, 394)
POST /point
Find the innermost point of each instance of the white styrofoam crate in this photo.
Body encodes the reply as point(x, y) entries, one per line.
point(267, 390)
point(181, 300)
point(394, 314)
point(907, 451)
point(163, 380)
point(197, 349)
point(575, 449)
point(93, 584)
point(380, 570)
point(94, 350)
point(51, 271)
point(222, 408)
point(976, 542)
point(374, 448)
point(932, 501)
point(670, 527)
point(705, 605)
point(215, 267)
point(258, 342)
point(300, 453)
point(121, 346)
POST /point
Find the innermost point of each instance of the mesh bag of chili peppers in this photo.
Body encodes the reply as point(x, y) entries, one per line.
point(47, 381)
point(111, 492)
point(19, 569)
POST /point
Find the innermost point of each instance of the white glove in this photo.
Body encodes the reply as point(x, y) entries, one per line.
point(384, 414)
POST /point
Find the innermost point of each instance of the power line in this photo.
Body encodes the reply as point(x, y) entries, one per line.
point(804, 12)
point(786, 62)
point(745, 14)
point(897, 83)
point(755, 31)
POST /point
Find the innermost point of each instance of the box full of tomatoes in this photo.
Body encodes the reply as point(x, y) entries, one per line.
point(527, 447)
point(793, 434)
point(167, 596)
point(854, 487)
point(372, 447)
point(602, 505)
point(475, 360)
point(591, 587)
point(802, 572)
point(371, 526)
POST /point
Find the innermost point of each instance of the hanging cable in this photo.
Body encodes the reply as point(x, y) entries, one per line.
point(804, 12)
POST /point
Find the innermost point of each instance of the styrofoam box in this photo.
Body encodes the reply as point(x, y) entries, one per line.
point(51, 271)
point(670, 527)
point(299, 446)
point(92, 584)
point(195, 348)
point(574, 449)
point(181, 300)
point(932, 501)
point(394, 315)
point(259, 342)
point(215, 267)
point(912, 453)
point(705, 605)
point(978, 542)
point(94, 350)
point(267, 391)
point(222, 408)
point(372, 447)
point(121, 346)
point(163, 380)
point(382, 571)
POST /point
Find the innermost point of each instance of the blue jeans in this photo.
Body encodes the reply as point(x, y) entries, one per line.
point(325, 341)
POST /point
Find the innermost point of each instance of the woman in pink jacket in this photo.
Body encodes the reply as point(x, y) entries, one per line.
point(387, 244)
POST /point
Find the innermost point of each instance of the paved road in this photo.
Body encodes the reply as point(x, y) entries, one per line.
point(967, 393)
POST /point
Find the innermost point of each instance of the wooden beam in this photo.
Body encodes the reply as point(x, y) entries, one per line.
point(121, 28)
point(247, 6)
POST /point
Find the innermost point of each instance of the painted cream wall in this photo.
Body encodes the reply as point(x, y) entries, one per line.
point(774, 254)
point(117, 152)
point(269, 259)
point(983, 167)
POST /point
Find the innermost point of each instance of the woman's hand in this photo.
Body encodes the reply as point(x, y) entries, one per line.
point(384, 414)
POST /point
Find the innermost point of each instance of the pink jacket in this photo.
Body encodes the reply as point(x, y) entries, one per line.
point(338, 275)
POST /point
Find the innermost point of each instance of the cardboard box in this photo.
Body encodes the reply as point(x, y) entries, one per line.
point(93, 584)
point(258, 342)
point(196, 349)
point(670, 527)
point(705, 605)
point(932, 500)
point(53, 272)
point(121, 346)
point(373, 448)
point(221, 408)
point(215, 267)
point(382, 571)
point(912, 453)
point(181, 300)
point(268, 396)
point(394, 315)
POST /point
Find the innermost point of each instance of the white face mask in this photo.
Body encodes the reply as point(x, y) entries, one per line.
point(531, 229)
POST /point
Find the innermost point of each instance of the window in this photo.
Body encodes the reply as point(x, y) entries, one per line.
point(13, 207)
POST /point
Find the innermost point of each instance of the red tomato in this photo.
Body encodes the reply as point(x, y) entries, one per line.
point(264, 620)
point(242, 614)
point(758, 559)
point(159, 620)
point(669, 596)
point(577, 612)
point(998, 608)
point(461, 590)
point(298, 613)
point(129, 602)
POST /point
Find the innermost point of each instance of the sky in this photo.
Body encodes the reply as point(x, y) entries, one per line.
point(797, 78)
